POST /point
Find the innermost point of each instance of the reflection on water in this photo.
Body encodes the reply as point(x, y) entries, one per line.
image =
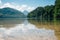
point(10, 22)
point(48, 25)
point(22, 29)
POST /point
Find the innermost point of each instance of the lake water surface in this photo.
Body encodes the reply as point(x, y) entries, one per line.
point(23, 29)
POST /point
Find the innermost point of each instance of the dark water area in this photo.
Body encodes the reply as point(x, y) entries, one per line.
point(28, 29)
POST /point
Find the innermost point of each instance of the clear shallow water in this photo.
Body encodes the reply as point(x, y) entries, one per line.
point(21, 29)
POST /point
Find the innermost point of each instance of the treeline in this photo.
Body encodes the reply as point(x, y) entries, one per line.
point(49, 12)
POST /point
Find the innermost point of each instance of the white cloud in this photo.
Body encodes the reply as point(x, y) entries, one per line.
point(18, 7)
point(0, 2)
point(6, 5)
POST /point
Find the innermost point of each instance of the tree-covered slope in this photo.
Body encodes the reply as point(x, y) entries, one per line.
point(42, 13)
point(10, 13)
point(51, 12)
point(57, 9)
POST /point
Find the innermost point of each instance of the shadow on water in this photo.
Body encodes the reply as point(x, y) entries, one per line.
point(47, 25)
point(10, 22)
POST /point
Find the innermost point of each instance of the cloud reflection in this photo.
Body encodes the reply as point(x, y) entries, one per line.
point(26, 32)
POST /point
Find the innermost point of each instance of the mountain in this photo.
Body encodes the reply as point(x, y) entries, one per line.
point(25, 12)
point(10, 13)
point(42, 13)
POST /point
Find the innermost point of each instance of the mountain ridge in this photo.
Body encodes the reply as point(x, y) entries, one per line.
point(10, 13)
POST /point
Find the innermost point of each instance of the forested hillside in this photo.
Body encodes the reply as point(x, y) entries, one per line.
point(10, 13)
point(49, 12)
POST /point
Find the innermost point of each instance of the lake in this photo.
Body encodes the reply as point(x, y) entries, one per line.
point(24, 29)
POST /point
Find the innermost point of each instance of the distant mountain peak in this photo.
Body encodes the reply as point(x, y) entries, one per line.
point(25, 12)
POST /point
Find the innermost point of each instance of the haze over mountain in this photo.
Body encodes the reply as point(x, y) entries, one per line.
point(25, 12)
point(10, 13)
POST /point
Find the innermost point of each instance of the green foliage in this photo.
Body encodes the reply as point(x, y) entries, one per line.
point(51, 12)
point(57, 10)
point(36, 13)
point(42, 13)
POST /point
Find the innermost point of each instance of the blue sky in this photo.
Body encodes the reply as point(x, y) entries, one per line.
point(30, 3)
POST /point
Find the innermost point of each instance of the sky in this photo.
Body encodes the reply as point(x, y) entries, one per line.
point(28, 5)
